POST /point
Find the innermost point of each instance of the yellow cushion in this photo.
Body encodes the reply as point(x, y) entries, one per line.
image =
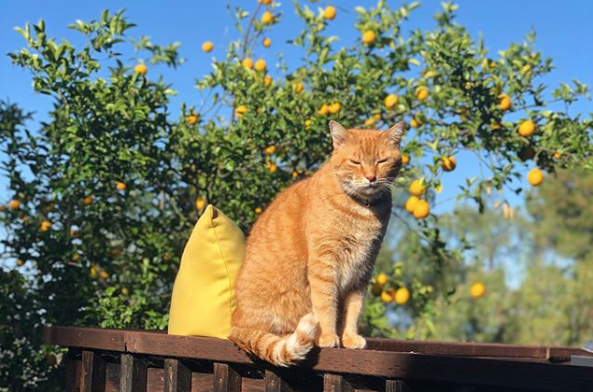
point(203, 294)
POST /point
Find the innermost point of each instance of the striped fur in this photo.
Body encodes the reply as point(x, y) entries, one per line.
point(278, 350)
point(313, 249)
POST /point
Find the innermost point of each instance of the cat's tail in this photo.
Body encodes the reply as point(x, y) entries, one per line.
point(279, 350)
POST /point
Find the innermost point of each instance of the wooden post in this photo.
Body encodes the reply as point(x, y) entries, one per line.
point(133, 374)
point(72, 375)
point(226, 379)
point(92, 377)
point(177, 376)
point(275, 383)
point(336, 383)
point(397, 386)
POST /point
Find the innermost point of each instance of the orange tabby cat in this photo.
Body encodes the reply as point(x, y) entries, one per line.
point(310, 255)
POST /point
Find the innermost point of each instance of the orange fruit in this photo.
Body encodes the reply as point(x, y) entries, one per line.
point(477, 290)
point(368, 38)
point(417, 187)
point(307, 125)
point(45, 225)
point(19, 262)
point(324, 110)
point(335, 107)
point(495, 126)
point(93, 271)
point(192, 119)
point(200, 203)
point(448, 163)
point(268, 81)
point(141, 69)
point(265, 2)
point(557, 155)
point(87, 201)
point(505, 102)
point(241, 110)
point(390, 101)
point(421, 210)
point(260, 65)
point(104, 275)
point(272, 167)
point(527, 128)
point(295, 174)
point(381, 279)
point(330, 13)
point(267, 18)
point(421, 93)
point(14, 204)
point(298, 87)
point(535, 177)
point(405, 159)
point(121, 186)
point(415, 123)
point(411, 203)
point(387, 296)
point(402, 296)
point(267, 42)
point(247, 63)
point(258, 210)
point(270, 150)
point(207, 46)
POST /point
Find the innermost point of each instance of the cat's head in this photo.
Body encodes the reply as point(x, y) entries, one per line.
point(366, 161)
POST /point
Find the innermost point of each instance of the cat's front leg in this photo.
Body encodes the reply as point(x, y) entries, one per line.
point(352, 307)
point(324, 291)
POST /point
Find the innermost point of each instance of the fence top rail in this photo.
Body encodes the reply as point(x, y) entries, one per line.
point(487, 364)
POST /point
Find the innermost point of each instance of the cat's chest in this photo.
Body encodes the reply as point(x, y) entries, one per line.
point(357, 249)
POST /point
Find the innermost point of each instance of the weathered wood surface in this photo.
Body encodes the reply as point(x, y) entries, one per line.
point(177, 376)
point(520, 367)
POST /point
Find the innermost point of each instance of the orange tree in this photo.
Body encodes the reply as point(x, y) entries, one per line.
point(105, 193)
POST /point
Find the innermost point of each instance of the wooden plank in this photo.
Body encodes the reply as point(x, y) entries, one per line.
point(392, 365)
point(273, 382)
point(92, 378)
point(177, 376)
point(397, 386)
point(457, 348)
point(115, 340)
point(73, 367)
point(104, 339)
point(133, 375)
point(336, 383)
point(225, 379)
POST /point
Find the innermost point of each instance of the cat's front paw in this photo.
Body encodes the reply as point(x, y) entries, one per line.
point(328, 340)
point(353, 341)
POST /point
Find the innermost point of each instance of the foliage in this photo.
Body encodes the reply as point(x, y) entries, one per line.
point(108, 187)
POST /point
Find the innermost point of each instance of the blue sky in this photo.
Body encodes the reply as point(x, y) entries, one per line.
point(564, 33)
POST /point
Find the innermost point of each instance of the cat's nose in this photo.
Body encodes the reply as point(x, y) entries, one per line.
point(371, 178)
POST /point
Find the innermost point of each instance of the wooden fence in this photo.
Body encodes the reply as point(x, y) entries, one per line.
point(140, 361)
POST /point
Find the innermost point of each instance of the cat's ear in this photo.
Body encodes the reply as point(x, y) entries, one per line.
point(338, 132)
point(396, 132)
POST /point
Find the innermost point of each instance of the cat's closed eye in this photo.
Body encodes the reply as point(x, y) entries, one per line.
point(382, 160)
point(354, 162)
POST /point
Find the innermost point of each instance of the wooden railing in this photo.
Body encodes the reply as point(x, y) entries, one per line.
point(139, 361)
